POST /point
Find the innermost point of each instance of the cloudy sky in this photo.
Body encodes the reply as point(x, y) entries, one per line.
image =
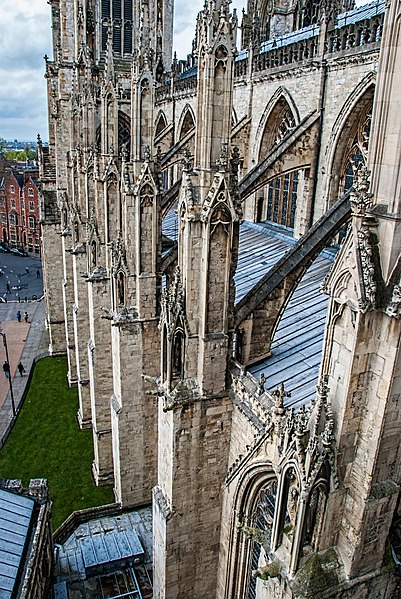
point(25, 37)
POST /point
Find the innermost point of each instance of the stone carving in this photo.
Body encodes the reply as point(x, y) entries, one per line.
point(360, 198)
point(394, 307)
point(365, 248)
point(173, 305)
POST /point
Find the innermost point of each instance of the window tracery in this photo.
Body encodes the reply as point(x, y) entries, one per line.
point(357, 155)
point(282, 195)
point(262, 518)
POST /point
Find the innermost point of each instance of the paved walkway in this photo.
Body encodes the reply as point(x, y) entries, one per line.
point(25, 342)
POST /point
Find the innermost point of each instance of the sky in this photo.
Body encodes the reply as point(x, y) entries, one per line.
point(25, 37)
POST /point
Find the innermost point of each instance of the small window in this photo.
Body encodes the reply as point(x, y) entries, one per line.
point(12, 203)
point(31, 222)
point(22, 204)
point(12, 189)
point(12, 219)
point(4, 219)
point(31, 206)
point(30, 192)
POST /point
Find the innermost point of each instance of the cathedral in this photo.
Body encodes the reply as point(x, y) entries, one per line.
point(222, 266)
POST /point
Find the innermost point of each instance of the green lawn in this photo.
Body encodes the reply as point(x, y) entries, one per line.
point(46, 442)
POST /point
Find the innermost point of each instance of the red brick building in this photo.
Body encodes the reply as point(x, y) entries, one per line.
point(19, 207)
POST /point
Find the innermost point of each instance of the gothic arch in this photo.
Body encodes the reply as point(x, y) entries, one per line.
point(280, 103)
point(219, 248)
point(161, 123)
point(186, 122)
point(342, 138)
point(255, 486)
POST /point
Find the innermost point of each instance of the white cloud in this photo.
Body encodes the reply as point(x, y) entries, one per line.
point(24, 39)
point(185, 22)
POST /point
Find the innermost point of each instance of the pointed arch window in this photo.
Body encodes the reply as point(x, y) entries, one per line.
point(120, 289)
point(288, 505)
point(262, 518)
point(357, 156)
point(178, 354)
point(188, 123)
point(161, 124)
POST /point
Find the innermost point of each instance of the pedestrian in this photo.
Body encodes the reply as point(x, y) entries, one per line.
point(26, 316)
point(8, 288)
point(21, 368)
point(38, 274)
point(6, 370)
point(19, 316)
point(27, 270)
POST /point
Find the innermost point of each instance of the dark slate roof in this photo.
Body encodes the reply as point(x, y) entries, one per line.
point(297, 345)
point(15, 521)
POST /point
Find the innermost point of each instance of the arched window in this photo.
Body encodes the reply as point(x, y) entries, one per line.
point(178, 354)
point(262, 519)
point(357, 155)
point(288, 505)
point(188, 123)
point(315, 510)
point(280, 122)
point(120, 289)
point(93, 254)
point(161, 124)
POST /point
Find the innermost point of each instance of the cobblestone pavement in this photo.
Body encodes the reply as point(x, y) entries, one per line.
point(25, 342)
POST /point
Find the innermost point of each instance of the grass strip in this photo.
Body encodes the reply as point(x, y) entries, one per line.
point(46, 442)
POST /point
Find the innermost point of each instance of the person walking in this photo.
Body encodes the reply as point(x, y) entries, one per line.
point(27, 270)
point(19, 316)
point(21, 368)
point(8, 288)
point(38, 274)
point(26, 316)
point(6, 370)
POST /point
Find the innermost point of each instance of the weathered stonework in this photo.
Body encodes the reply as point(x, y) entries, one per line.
point(250, 498)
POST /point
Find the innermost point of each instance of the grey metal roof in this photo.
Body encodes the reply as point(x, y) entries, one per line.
point(297, 345)
point(113, 547)
point(290, 38)
point(15, 521)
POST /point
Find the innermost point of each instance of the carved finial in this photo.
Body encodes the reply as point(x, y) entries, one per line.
point(280, 394)
point(146, 154)
point(360, 197)
point(186, 161)
point(262, 380)
point(223, 160)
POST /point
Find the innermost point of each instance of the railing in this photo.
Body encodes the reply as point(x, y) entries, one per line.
point(355, 35)
point(177, 88)
point(286, 55)
point(362, 33)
